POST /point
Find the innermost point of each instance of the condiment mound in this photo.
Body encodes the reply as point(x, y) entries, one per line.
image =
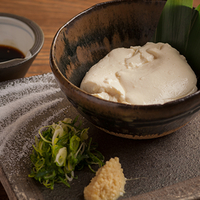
point(150, 165)
point(155, 73)
point(108, 183)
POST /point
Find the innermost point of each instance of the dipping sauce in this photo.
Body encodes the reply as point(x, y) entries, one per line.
point(151, 74)
point(9, 53)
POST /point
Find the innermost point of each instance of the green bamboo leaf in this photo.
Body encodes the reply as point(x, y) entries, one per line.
point(174, 24)
point(193, 46)
point(198, 8)
point(179, 25)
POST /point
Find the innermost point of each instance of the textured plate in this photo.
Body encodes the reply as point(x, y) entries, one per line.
point(149, 165)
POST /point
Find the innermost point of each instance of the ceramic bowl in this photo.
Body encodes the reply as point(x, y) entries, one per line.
point(87, 38)
point(24, 35)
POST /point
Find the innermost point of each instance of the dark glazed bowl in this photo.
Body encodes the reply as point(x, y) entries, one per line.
point(86, 39)
point(24, 35)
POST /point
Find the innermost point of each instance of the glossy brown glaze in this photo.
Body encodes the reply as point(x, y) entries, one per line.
point(86, 39)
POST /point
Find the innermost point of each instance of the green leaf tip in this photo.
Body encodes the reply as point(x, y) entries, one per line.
point(179, 25)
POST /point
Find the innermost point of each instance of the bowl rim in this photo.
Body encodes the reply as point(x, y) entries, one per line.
point(37, 31)
point(73, 88)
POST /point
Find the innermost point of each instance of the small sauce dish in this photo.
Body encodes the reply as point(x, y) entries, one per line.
point(18, 36)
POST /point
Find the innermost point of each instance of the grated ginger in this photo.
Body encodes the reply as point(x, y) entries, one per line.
point(108, 184)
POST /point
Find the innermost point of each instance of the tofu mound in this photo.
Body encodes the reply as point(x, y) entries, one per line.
point(108, 184)
point(155, 73)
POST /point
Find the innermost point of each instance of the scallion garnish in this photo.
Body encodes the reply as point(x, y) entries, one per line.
point(62, 148)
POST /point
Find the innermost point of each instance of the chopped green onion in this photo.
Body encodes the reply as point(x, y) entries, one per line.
point(61, 157)
point(61, 149)
point(74, 143)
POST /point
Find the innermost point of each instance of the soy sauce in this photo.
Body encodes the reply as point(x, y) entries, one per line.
point(9, 53)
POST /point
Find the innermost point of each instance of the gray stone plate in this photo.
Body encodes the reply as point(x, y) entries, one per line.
point(163, 168)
